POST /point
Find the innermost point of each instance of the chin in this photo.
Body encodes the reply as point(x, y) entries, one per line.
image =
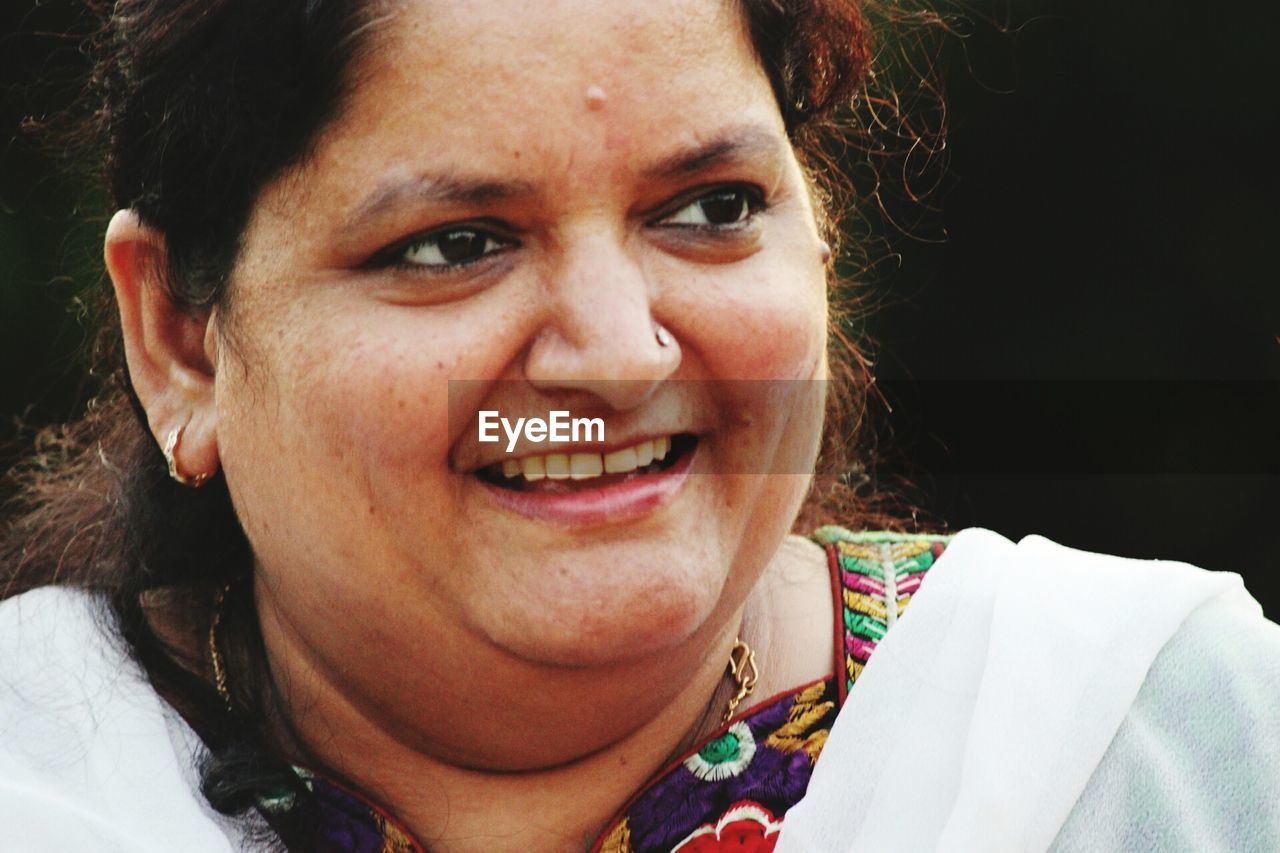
point(597, 613)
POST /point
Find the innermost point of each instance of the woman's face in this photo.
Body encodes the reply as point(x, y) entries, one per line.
point(513, 196)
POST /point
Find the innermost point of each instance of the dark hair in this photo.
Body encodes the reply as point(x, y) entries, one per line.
point(197, 104)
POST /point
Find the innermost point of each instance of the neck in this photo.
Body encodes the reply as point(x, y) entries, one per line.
point(546, 761)
point(543, 764)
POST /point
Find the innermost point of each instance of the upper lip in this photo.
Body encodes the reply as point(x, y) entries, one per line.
point(527, 448)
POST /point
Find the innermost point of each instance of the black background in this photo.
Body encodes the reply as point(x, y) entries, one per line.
point(1093, 351)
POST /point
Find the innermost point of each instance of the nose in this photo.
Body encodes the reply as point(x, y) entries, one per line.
point(600, 335)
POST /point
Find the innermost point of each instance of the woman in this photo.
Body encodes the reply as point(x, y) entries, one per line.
point(347, 232)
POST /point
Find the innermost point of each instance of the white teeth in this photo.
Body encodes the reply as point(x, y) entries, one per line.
point(621, 461)
point(557, 466)
point(584, 466)
point(644, 453)
point(533, 468)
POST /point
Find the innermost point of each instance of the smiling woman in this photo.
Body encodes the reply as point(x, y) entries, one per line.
point(348, 234)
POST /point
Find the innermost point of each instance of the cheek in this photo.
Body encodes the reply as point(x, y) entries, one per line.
point(346, 412)
point(383, 413)
point(766, 319)
point(772, 326)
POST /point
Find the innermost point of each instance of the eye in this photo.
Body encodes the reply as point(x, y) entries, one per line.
point(723, 207)
point(456, 246)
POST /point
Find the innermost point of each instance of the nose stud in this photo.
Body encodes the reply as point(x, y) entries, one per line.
point(662, 336)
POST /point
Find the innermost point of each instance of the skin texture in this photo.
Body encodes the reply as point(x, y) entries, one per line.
point(497, 681)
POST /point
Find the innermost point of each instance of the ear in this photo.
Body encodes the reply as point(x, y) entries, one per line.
point(171, 353)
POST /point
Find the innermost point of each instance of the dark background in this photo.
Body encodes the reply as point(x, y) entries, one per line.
point(1093, 351)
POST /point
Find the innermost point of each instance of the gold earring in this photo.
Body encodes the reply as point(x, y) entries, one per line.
point(742, 669)
point(195, 481)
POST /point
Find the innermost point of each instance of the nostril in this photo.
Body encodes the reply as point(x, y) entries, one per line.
point(622, 365)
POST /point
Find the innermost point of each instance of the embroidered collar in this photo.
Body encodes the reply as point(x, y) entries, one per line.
point(734, 789)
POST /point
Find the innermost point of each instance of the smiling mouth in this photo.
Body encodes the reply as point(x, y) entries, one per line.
point(575, 472)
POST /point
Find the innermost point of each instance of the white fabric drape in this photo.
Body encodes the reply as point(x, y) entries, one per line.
point(91, 759)
point(1024, 691)
point(1031, 698)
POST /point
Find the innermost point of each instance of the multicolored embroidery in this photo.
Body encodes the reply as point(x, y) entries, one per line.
point(745, 828)
point(725, 756)
point(729, 795)
point(733, 792)
point(763, 760)
point(878, 574)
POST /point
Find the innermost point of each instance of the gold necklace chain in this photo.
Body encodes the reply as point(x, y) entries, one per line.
point(219, 671)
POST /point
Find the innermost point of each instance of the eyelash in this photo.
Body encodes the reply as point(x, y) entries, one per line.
point(398, 255)
point(750, 200)
point(751, 203)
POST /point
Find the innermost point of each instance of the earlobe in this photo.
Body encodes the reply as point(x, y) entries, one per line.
point(165, 345)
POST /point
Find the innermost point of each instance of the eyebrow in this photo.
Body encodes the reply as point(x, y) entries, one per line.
point(434, 189)
point(739, 144)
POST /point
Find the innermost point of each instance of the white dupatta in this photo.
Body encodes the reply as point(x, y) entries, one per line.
point(1023, 703)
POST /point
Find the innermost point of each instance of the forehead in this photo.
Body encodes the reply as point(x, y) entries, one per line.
point(519, 52)
point(573, 84)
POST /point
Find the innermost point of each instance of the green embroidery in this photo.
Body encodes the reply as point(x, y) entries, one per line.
point(834, 533)
point(918, 563)
point(850, 563)
point(722, 749)
point(861, 623)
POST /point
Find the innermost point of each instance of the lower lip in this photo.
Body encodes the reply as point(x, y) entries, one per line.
point(610, 504)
